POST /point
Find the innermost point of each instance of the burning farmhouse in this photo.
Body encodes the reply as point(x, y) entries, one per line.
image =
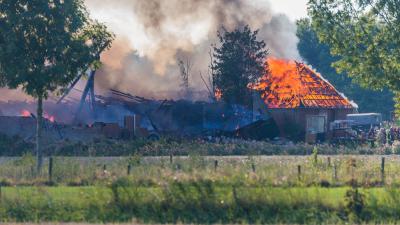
point(300, 101)
point(292, 101)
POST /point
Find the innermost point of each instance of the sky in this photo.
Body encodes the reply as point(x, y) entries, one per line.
point(294, 9)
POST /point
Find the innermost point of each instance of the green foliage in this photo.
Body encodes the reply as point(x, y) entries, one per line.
point(397, 105)
point(355, 204)
point(14, 146)
point(201, 202)
point(315, 155)
point(135, 159)
point(27, 159)
point(44, 45)
point(232, 194)
point(164, 147)
point(318, 55)
point(254, 171)
point(197, 161)
point(364, 34)
point(238, 61)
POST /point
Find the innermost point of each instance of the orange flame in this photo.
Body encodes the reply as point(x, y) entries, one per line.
point(218, 94)
point(25, 113)
point(49, 117)
point(290, 84)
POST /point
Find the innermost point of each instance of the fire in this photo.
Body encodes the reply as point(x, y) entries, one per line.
point(218, 94)
point(25, 113)
point(290, 84)
point(49, 117)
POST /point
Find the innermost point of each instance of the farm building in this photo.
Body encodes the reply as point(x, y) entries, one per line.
point(301, 101)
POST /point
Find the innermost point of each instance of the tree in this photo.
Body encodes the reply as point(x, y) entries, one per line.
point(318, 55)
point(364, 34)
point(185, 68)
point(45, 45)
point(238, 61)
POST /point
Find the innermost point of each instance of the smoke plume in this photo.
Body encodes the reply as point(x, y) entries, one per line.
point(152, 34)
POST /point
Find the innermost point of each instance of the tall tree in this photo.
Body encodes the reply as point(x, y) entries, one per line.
point(185, 67)
point(318, 55)
point(364, 34)
point(44, 45)
point(239, 60)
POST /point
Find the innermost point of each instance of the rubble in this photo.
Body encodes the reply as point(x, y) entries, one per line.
point(291, 102)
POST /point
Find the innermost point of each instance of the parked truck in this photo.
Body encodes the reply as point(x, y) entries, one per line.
point(356, 128)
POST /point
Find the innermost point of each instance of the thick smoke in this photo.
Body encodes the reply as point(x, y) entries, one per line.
point(152, 34)
point(10, 94)
point(280, 35)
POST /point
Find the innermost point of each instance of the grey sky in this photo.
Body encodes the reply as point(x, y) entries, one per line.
point(294, 9)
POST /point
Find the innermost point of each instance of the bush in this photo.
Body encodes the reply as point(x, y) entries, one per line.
point(166, 146)
point(396, 147)
point(355, 204)
point(14, 146)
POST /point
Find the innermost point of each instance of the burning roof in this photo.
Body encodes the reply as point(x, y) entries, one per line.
point(291, 84)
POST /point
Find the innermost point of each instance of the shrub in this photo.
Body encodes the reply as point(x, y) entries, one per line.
point(355, 204)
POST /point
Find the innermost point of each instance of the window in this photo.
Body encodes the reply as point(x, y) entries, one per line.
point(316, 124)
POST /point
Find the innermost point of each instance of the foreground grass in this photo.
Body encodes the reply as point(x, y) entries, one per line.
point(203, 189)
point(273, 171)
point(198, 202)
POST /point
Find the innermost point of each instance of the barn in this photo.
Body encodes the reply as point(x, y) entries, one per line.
point(301, 101)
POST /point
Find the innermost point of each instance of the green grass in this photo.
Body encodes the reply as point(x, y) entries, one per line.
point(272, 171)
point(76, 195)
point(248, 189)
point(194, 203)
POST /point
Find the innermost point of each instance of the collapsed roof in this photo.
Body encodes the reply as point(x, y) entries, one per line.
point(291, 84)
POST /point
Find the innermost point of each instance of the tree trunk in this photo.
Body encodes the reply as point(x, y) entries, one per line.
point(39, 126)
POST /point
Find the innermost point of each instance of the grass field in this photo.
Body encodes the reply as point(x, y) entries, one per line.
point(276, 171)
point(203, 189)
point(196, 203)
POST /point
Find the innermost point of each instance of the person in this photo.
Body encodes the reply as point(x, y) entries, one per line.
point(381, 136)
point(371, 136)
point(392, 135)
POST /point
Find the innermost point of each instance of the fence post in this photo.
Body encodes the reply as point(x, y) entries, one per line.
point(129, 169)
point(329, 161)
point(32, 171)
point(335, 172)
point(51, 169)
point(170, 158)
point(383, 170)
point(104, 168)
point(299, 172)
point(353, 168)
point(215, 165)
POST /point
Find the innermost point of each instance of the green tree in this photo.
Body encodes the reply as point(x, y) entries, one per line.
point(318, 55)
point(240, 59)
point(364, 34)
point(44, 45)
